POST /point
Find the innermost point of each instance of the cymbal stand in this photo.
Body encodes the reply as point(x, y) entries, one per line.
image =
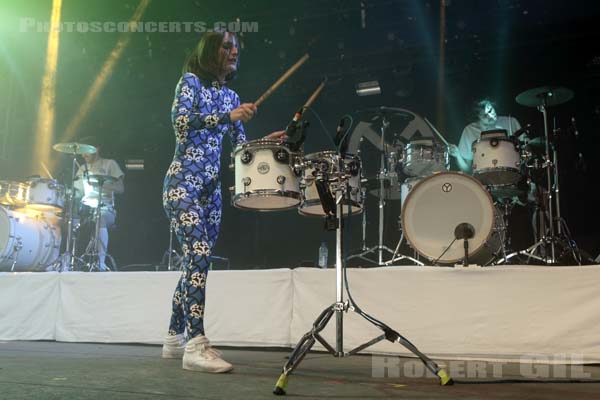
point(554, 235)
point(380, 247)
point(341, 306)
point(397, 256)
point(67, 259)
point(92, 248)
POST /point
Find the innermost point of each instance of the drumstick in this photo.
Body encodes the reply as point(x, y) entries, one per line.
point(313, 96)
point(282, 79)
point(46, 169)
point(438, 134)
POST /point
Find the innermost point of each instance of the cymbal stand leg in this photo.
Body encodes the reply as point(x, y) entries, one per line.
point(364, 220)
point(542, 109)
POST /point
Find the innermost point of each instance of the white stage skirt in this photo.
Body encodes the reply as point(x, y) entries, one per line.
point(502, 313)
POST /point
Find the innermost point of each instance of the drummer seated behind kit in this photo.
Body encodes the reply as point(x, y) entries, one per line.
point(96, 165)
point(487, 120)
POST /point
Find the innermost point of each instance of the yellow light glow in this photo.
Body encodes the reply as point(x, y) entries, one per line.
point(102, 78)
point(45, 120)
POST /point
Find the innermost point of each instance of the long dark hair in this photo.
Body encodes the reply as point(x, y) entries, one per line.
point(478, 107)
point(204, 61)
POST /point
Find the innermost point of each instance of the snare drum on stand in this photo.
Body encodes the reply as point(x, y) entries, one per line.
point(266, 176)
point(325, 165)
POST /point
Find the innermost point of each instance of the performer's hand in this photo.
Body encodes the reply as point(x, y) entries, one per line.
point(244, 112)
point(453, 150)
point(277, 135)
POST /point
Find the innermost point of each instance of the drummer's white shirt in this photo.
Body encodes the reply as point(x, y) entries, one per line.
point(472, 132)
point(101, 166)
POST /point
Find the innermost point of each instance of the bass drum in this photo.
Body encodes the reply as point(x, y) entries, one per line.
point(27, 241)
point(437, 205)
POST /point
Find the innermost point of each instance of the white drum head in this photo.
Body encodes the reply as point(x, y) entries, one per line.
point(436, 205)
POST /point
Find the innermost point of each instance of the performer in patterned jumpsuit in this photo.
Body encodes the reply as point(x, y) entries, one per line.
point(204, 110)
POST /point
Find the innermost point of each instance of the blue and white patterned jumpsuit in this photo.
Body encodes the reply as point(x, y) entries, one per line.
point(192, 189)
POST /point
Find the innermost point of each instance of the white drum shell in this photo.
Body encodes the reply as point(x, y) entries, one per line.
point(264, 193)
point(45, 195)
point(437, 205)
point(496, 161)
point(30, 242)
point(311, 203)
point(407, 186)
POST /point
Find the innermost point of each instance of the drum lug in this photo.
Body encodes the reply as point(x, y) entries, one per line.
point(246, 157)
point(246, 181)
point(281, 179)
point(232, 189)
point(282, 156)
point(232, 167)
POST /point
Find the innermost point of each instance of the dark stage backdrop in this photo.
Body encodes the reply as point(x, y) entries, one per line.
point(494, 48)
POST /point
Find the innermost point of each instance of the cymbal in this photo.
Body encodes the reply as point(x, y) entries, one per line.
point(100, 179)
point(74, 148)
point(545, 95)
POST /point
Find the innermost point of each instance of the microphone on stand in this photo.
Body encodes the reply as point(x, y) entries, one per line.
point(464, 231)
point(295, 130)
point(290, 129)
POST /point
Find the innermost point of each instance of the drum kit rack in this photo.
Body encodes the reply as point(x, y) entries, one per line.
point(35, 213)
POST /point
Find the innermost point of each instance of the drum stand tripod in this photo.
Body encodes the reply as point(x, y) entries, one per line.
point(380, 248)
point(339, 308)
point(67, 261)
point(555, 234)
point(91, 251)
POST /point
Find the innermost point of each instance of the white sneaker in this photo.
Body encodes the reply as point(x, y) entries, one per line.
point(200, 356)
point(174, 346)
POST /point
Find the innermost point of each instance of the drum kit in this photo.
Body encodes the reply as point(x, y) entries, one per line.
point(35, 213)
point(447, 217)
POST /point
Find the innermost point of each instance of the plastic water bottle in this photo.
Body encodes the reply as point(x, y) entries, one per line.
point(323, 254)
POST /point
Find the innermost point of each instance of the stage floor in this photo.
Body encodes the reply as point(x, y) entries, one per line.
point(54, 370)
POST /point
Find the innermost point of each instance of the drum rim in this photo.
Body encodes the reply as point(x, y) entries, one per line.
point(500, 139)
point(413, 190)
point(260, 144)
point(313, 202)
point(311, 156)
point(266, 193)
point(490, 169)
